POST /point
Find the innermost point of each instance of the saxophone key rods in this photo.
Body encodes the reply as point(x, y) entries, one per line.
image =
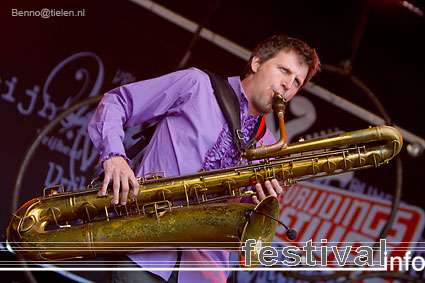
point(195, 210)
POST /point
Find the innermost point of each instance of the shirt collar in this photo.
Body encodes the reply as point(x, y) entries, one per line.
point(236, 84)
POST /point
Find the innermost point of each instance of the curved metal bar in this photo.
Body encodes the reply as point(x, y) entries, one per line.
point(14, 198)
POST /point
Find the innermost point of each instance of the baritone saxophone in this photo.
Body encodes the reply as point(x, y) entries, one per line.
point(193, 210)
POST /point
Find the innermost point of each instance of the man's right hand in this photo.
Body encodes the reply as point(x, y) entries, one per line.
point(117, 169)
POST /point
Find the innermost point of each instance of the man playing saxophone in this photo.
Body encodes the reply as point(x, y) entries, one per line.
point(192, 134)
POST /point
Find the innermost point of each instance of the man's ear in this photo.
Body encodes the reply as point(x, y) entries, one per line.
point(255, 64)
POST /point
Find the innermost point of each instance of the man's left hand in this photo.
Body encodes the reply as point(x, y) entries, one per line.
point(271, 188)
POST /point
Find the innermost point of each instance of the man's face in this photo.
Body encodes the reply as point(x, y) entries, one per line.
point(284, 74)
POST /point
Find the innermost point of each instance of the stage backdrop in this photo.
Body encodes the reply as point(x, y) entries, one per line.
point(48, 65)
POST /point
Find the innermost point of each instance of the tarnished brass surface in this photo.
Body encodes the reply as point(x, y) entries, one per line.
point(209, 225)
point(179, 211)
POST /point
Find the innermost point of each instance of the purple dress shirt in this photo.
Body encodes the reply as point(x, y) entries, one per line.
point(191, 134)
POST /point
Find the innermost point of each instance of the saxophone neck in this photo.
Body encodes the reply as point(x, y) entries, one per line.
point(279, 107)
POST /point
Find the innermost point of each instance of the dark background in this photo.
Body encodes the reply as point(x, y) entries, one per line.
point(387, 54)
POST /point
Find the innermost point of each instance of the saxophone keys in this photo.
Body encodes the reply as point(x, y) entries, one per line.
point(53, 190)
point(26, 223)
point(99, 193)
point(345, 163)
point(256, 178)
point(54, 213)
point(164, 194)
point(313, 169)
point(361, 161)
point(154, 175)
point(88, 210)
point(231, 186)
point(374, 159)
point(329, 166)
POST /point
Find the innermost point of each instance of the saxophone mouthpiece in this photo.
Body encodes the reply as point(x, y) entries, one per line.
point(279, 103)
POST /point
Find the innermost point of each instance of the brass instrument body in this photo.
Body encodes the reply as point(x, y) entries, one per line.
point(183, 210)
point(212, 223)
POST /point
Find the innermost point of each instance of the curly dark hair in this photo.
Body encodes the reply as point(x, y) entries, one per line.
point(271, 46)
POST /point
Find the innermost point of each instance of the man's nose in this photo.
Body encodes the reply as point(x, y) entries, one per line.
point(287, 82)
